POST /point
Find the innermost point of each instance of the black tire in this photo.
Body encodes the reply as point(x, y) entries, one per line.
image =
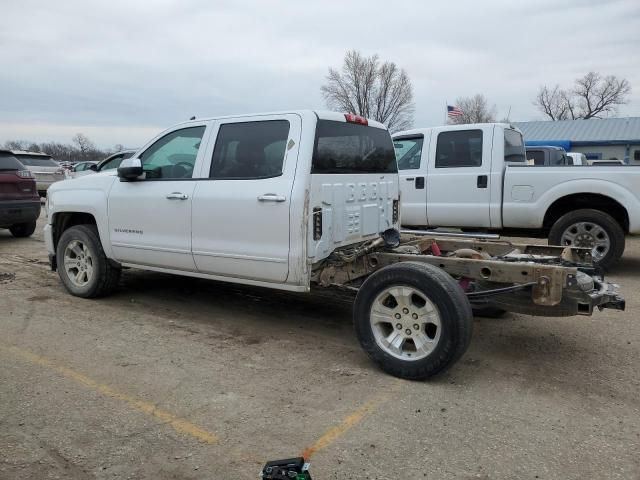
point(105, 277)
point(604, 221)
point(21, 230)
point(488, 312)
point(443, 292)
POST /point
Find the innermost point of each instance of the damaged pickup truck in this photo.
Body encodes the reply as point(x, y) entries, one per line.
point(302, 201)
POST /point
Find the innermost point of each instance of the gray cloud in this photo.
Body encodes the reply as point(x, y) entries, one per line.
point(121, 69)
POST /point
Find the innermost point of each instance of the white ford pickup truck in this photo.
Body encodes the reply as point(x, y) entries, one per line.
point(298, 201)
point(475, 177)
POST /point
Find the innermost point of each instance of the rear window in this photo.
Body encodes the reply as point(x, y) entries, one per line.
point(513, 147)
point(9, 162)
point(350, 148)
point(537, 156)
point(37, 161)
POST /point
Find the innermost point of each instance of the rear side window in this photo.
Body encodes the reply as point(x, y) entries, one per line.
point(343, 148)
point(250, 150)
point(461, 148)
point(513, 147)
point(9, 162)
point(408, 152)
point(37, 161)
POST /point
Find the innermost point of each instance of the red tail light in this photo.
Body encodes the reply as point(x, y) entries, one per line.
point(353, 118)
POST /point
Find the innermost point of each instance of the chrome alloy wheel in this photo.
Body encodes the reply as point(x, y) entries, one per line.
point(78, 263)
point(588, 235)
point(405, 323)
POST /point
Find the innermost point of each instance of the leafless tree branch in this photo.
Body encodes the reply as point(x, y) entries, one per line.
point(367, 87)
point(474, 110)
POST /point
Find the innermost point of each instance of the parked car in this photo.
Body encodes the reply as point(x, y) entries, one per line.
point(548, 156)
point(45, 169)
point(578, 158)
point(19, 199)
point(475, 177)
point(110, 163)
point(80, 167)
point(610, 161)
point(295, 201)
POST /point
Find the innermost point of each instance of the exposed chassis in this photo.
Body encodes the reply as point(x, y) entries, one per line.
point(532, 279)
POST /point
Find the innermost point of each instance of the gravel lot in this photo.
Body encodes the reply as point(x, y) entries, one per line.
point(177, 378)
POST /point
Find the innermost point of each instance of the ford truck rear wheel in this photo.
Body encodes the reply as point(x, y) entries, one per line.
point(82, 265)
point(592, 229)
point(413, 320)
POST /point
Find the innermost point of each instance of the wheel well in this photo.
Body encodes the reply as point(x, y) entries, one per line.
point(65, 220)
point(586, 200)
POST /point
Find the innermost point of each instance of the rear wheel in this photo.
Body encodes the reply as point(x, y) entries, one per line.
point(82, 265)
point(413, 319)
point(21, 230)
point(592, 229)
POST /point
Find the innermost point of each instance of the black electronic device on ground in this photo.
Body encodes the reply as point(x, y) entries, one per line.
point(287, 469)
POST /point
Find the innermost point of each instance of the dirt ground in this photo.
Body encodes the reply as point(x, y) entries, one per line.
point(178, 378)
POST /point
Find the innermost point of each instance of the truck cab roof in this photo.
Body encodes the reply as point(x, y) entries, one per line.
point(466, 126)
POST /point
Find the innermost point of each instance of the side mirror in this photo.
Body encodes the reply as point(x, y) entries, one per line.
point(130, 169)
point(93, 167)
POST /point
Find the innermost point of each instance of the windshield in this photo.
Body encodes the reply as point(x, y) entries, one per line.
point(514, 147)
point(350, 148)
point(37, 161)
point(408, 152)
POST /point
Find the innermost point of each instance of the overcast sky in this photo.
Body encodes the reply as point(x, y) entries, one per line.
point(122, 70)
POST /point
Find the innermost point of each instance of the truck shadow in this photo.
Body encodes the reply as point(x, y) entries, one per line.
point(541, 353)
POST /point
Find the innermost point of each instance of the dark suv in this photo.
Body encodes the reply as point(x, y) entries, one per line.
point(19, 199)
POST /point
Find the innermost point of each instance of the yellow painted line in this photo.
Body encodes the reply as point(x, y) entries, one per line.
point(180, 425)
point(348, 422)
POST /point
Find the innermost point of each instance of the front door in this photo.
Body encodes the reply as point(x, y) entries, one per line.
point(458, 182)
point(150, 219)
point(241, 213)
point(412, 171)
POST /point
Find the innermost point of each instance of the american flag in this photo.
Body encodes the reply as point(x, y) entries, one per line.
point(453, 111)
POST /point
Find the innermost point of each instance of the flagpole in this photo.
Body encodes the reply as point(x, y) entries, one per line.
point(446, 111)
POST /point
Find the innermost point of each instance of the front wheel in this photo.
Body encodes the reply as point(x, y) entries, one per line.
point(590, 229)
point(413, 320)
point(82, 265)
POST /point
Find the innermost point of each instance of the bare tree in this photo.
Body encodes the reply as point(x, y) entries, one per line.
point(376, 90)
point(474, 110)
point(592, 96)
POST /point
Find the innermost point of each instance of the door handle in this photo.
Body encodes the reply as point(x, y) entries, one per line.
point(271, 197)
point(177, 196)
point(483, 181)
point(410, 179)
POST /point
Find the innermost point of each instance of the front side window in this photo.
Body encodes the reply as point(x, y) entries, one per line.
point(174, 155)
point(408, 152)
point(514, 147)
point(111, 163)
point(348, 148)
point(250, 150)
point(462, 148)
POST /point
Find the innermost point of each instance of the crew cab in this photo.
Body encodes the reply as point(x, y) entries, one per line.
point(297, 201)
point(476, 177)
point(19, 199)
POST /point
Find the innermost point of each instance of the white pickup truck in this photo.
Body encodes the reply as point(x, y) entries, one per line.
point(298, 201)
point(475, 177)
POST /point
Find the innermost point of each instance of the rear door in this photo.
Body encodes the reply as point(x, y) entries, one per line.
point(411, 154)
point(241, 211)
point(458, 184)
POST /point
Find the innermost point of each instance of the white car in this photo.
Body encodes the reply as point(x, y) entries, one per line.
point(46, 170)
point(294, 201)
point(112, 162)
point(476, 177)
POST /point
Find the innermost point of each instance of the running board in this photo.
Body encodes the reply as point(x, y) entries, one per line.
point(433, 233)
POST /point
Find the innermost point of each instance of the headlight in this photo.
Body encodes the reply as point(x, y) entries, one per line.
point(47, 205)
